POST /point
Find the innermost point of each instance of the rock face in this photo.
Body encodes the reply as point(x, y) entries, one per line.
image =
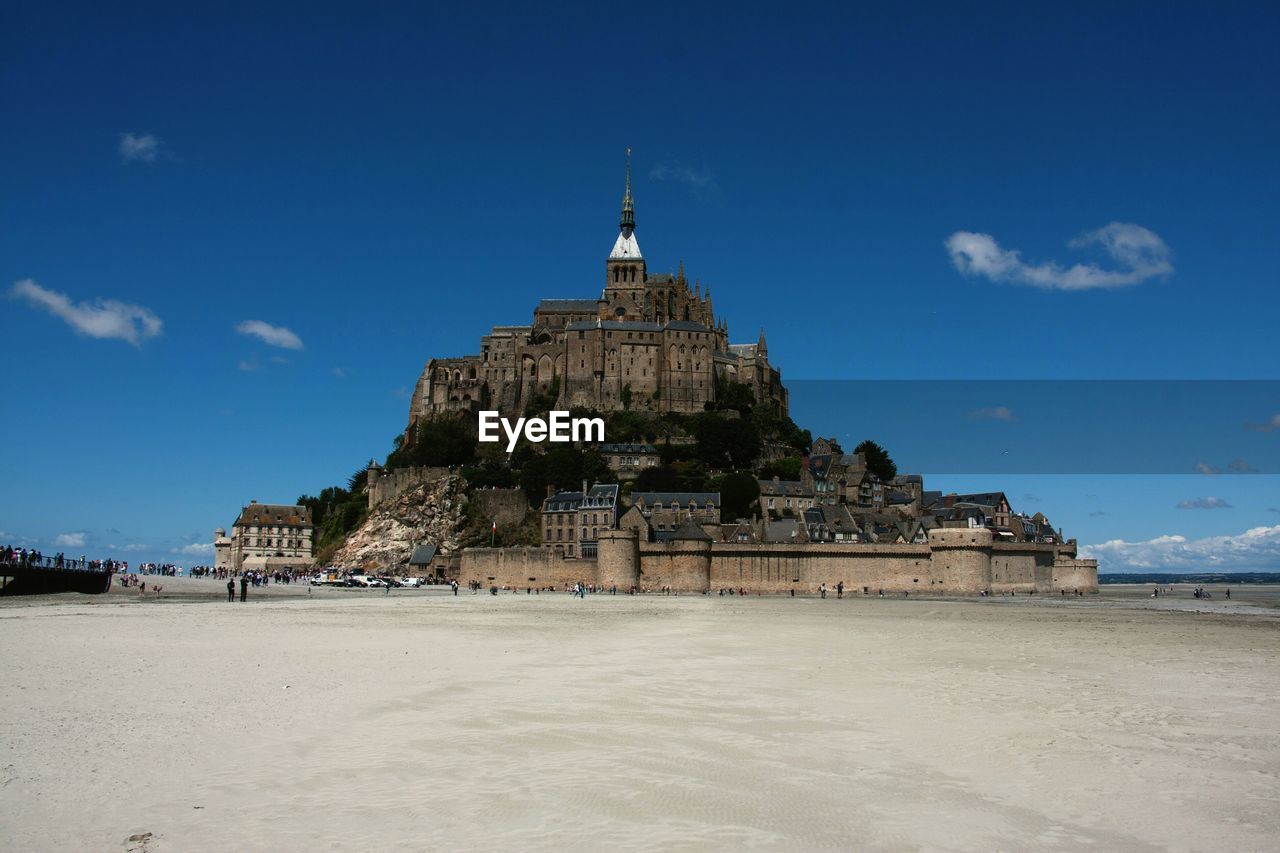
point(433, 513)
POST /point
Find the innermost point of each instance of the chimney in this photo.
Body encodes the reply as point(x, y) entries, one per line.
point(584, 488)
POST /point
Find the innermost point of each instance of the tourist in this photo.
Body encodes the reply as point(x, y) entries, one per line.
point(231, 590)
point(244, 587)
point(840, 590)
point(822, 590)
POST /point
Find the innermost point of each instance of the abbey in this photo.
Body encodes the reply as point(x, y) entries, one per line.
point(648, 343)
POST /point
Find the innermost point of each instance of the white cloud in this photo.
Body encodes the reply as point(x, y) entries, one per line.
point(1256, 550)
point(1206, 469)
point(1269, 426)
point(1204, 503)
point(199, 549)
point(1139, 254)
point(105, 318)
point(69, 540)
point(993, 413)
point(701, 182)
point(340, 373)
point(276, 336)
point(139, 148)
point(249, 366)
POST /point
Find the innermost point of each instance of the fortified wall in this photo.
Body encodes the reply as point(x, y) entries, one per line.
point(385, 484)
point(953, 562)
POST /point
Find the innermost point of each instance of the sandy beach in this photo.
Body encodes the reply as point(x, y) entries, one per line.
point(350, 720)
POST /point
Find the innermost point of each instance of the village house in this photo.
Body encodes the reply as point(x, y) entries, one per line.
point(629, 460)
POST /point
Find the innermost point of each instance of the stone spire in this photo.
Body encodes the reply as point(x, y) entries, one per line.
point(761, 347)
point(626, 247)
point(628, 222)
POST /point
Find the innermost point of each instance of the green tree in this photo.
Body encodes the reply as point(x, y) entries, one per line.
point(722, 442)
point(786, 468)
point(878, 460)
point(738, 491)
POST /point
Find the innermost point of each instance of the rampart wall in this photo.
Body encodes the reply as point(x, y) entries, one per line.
point(395, 482)
point(953, 562)
point(508, 507)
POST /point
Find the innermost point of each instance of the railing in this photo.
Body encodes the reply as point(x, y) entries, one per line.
point(59, 563)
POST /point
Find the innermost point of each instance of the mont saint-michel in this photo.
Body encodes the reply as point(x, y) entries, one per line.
point(701, 480)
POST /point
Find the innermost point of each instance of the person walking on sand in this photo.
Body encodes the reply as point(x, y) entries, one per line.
point(840, 590)
point(231, 590)
point(244, 587)
point(822, 590)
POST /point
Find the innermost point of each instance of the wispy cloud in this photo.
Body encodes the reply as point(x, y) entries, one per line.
point(276, 336)
point(991, 413)
point(340, 372)
point(401, 393)
point(1139, 254)
point(1206, 469)
point(701, 182)
point(70, 540)
point(1030, 498)
point(139, 148)
point(1257, 549)
point(1267, 426)
point(104, 318)
point(1098, 513)
point(1204, 503)
point(249, 365)
point(199, 549)
point(1239, 466)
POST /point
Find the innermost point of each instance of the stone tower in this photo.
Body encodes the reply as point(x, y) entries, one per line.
point(625, 271)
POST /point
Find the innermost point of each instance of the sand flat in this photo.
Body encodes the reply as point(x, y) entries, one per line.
point(358, 721)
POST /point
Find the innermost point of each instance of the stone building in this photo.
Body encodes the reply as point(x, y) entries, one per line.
point(785, 497)
point(266, 537)
point(663, 513)
point(649, 342)
point(629, 460)
point(572, 521)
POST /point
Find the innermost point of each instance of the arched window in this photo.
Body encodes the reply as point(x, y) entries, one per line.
point(615, 273)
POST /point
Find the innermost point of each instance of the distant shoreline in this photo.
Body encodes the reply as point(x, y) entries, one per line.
point(1189, 577)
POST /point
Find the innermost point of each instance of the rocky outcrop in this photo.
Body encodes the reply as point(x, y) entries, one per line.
point(433, 512)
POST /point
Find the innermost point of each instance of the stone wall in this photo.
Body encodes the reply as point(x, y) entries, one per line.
point(953, 562)
point(392, 483)
point(523, 567)
point(1071, 575)
point(508, 507)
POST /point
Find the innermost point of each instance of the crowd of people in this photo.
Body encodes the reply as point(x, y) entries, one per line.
point(31, 558)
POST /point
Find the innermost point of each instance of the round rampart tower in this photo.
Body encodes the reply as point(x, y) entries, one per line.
point(962, 558)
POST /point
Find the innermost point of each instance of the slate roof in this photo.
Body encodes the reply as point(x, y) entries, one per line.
point(275, 514)
point(610, 447)
point(690, 532)
point(566, 306)
point(562, 502)
point(669, 498)
point(783, 530)
point(422, 555)
point(614, 326)
point(788, 488)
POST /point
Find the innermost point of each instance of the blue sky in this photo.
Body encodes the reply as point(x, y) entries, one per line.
point(897, 193)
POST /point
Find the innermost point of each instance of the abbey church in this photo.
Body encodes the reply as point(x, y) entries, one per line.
point(648, 343)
